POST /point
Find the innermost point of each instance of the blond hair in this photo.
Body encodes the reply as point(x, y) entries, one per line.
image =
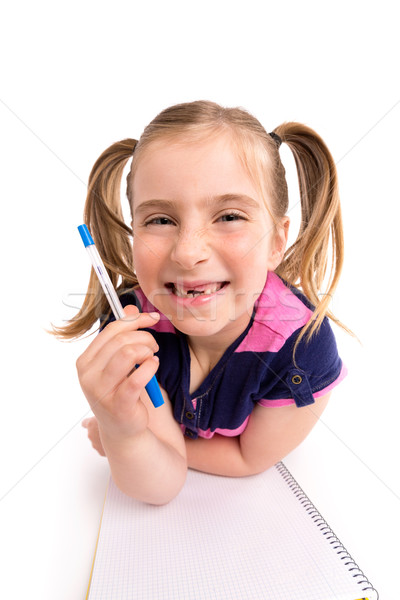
point(305, 263)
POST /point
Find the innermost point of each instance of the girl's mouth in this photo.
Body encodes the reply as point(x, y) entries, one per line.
point(187, 290)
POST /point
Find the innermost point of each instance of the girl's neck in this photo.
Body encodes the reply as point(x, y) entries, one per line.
point(208, 350)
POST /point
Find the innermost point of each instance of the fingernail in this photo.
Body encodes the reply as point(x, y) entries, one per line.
point(154, 315)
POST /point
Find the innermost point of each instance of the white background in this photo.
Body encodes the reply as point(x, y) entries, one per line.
point(76, 77)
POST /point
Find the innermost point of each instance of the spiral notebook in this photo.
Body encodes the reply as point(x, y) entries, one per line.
point(223, 539)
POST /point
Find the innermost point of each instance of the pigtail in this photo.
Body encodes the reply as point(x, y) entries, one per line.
point(104, 218)
point(320, 238)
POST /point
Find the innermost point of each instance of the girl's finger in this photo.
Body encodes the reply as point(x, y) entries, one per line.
point(132, 322)
point(115, 344)
point(132, 386)
point(121, 365)
point(100, 387)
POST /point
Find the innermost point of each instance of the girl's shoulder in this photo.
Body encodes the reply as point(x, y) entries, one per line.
point(279, 312)
point(292, 372)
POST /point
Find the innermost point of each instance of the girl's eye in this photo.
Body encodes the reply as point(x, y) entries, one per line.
point(159, 221)
point(232, 216)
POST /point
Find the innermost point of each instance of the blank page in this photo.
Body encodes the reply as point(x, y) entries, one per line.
point(224, 539)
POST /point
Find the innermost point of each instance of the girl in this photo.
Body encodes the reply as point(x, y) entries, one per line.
point(246, 362)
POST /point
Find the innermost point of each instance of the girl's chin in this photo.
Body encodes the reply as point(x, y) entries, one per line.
point(201, 329)
point(202, 325)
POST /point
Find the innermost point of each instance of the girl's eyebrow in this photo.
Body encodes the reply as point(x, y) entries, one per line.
point(242, 199)
point(211, 201)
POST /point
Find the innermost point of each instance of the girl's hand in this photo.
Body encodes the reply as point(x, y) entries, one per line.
point(93, 434)
point(109, 381)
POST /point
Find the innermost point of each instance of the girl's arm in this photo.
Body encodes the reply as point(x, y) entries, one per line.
point(270, 435)
point(143, 444)
point(150, 466)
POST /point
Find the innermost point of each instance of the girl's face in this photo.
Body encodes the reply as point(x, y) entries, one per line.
point(203, 239)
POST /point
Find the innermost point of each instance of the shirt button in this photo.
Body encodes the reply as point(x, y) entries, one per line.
point(189, 433)
point(189, 415)
point(297, 379)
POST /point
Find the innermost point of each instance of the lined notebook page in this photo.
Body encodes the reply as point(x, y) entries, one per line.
point(221, 538)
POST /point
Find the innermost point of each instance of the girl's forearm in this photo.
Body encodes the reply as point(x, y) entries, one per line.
point(219, 455)
point(271, 433)
point(146, 467)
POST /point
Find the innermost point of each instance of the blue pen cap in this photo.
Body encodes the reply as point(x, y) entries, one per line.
point(85, 235)
point(153, 390)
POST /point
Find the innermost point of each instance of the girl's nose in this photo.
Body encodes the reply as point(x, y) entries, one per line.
point(191, 248)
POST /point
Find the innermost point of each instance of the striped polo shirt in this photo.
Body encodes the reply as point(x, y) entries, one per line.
point(257, 368)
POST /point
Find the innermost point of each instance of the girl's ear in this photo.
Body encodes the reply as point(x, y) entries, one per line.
point(279, 243)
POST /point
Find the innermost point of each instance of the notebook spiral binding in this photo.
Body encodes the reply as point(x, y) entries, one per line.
point(365, 585)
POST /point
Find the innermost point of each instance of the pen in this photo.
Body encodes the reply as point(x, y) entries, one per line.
point(152, 388)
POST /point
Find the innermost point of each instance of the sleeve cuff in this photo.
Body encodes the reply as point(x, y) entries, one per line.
point(288, 401)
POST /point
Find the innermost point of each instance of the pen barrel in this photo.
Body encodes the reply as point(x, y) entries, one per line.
point(105, 282)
